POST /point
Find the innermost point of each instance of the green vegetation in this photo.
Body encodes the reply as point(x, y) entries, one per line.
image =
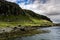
point(35, 15)
point(13, 15)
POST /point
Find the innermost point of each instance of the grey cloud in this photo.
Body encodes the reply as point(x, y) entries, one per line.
point(52, 14)
point(50, 7)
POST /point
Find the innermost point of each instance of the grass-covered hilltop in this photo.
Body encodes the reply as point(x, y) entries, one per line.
point(13, 15)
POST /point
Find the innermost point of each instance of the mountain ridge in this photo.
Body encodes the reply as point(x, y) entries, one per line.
point(12, 14)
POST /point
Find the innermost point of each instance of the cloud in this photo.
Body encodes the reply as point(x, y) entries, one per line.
point(43, 7)
point(50, 8)
point(40, 6)
point(55, 18)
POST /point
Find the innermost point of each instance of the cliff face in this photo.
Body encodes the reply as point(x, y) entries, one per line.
point(12, 14)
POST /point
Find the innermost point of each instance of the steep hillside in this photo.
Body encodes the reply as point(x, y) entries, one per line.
point(12, 15)
point(35, 15)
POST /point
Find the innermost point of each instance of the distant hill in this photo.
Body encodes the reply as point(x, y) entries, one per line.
point(12, 15)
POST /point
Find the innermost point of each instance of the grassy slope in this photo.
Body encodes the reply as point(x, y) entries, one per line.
point(24, 20)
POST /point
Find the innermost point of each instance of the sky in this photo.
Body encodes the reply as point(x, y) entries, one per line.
point(50, 8)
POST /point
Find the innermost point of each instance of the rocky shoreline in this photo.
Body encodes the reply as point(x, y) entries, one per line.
point(22, 28)
point(10, 32)
point(56, 24)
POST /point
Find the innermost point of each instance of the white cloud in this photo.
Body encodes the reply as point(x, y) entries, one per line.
point(50, 7)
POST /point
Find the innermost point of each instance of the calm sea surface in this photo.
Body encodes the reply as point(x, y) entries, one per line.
point(53, 35)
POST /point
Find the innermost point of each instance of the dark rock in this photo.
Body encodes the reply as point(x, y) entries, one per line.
point(2, 0)
point(8, 26)
point(56, 24)
point(14, 28)
point(3, 30)
point(19, 25)
point(22, 29)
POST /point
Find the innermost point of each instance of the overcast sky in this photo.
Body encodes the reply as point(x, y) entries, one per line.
point(51, 8)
